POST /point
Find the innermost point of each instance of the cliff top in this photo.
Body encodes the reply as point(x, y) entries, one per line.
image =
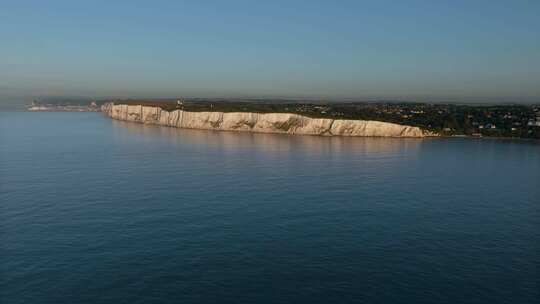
point(447, 119)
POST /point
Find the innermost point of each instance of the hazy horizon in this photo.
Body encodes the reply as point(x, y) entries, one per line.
point(20, 103)
point(486, 51)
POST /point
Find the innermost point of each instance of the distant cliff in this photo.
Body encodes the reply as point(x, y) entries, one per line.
point(257, 122)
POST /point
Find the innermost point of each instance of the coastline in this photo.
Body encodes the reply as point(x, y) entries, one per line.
point(428, 134)
point(284, 123)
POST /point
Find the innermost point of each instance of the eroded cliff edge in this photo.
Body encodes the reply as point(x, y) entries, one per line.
point(257, 122)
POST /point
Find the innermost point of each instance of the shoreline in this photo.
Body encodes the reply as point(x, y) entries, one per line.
point(52, 110)
point(284, 123)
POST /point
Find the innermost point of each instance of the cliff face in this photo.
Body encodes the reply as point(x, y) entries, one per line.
point(255, 122)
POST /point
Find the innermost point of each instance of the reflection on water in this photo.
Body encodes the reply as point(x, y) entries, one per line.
point(273, 143)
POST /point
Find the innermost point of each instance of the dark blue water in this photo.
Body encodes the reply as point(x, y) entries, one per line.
point(99, 211)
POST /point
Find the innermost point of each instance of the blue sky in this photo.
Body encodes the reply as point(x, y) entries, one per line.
point(415, 49)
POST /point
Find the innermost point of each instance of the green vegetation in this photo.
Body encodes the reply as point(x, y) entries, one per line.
point(520, 121)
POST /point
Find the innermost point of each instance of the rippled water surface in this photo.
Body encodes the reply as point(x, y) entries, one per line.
point(100, 211)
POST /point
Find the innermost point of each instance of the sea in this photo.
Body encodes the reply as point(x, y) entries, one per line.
point(94, 210)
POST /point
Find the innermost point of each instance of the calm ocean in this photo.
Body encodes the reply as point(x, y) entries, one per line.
point(99, 211)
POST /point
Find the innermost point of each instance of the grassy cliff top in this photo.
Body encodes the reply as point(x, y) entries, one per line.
point(447, 119)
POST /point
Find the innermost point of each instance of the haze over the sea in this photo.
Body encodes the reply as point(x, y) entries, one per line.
point(460, 51)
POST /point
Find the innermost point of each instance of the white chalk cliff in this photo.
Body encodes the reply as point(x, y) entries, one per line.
point(258, 122)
